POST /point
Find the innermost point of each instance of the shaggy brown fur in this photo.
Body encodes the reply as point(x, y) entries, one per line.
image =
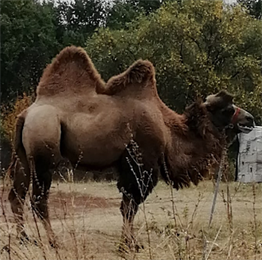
point(199, 145)
point(71, 72)
point(141, 71)
point(123, 123)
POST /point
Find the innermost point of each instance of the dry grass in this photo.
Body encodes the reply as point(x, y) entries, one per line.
point(87, 222)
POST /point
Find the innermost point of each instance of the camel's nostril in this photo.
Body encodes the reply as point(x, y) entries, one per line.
point(250, 119)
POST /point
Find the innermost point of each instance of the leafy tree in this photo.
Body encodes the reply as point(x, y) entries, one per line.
point(33, 32)
point(78, 19)
point(122, 12)
point(28, 42)
point(253, 6)
point(197, 47)
point(2, 130)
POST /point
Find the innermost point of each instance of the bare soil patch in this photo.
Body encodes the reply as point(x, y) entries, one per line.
point(64, 204)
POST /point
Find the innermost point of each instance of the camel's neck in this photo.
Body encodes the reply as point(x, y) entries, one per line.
point(193, 145)
point(174, 121)
point(195, 119)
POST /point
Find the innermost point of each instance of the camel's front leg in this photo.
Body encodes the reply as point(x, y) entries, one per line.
point(129, 209)
point(135, 183)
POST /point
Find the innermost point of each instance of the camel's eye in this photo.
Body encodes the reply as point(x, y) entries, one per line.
point(228, 111)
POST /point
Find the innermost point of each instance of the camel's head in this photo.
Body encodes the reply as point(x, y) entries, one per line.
point(224, 113)
point(242, 121)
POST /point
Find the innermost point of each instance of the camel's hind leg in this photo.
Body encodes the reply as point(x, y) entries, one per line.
point(41, 180)
point(21, 175)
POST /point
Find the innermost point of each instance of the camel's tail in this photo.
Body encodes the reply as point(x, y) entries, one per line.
point(18, 159)
point(10, 170)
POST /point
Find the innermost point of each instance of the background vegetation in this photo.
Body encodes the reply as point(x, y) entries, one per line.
point(197, 47)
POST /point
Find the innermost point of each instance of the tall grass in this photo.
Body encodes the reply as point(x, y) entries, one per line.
point(170, 224)
point(163, 238)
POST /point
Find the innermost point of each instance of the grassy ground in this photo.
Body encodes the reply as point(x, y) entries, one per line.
point(87, 222)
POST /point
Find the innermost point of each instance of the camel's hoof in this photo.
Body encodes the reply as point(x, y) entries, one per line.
point(24, 239)
point(123, 248)
point(5, 248)
point(27, 240)
point(53, 243)
point(126, 247)
point(138, 247)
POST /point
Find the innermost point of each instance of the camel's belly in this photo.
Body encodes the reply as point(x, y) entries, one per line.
point(95, 141)
point(94, 157)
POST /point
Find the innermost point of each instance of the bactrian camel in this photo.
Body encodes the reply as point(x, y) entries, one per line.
point(121, 123)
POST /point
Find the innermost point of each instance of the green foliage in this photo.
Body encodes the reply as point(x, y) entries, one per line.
point(32, 33)
point(122, 12)
point(77, 20)
point(253, 6)
point(27, 42)
point(197, 47)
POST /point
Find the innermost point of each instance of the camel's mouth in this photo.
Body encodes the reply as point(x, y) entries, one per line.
point(244, 128)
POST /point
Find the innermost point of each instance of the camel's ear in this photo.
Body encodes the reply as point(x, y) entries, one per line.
point(222, 97)
point(140, 71)
point(225, 96)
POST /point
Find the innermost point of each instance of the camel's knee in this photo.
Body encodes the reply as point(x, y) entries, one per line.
point(41, 186)
point(39, 204)
point(12, 195)
point(16, 202)
point(15, 198)
point(128, 208)
point(18, 192)
point(41, 212)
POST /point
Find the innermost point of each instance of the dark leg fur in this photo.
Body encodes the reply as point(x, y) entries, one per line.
point(136, 181)
point(21, 177)
point(42, 178)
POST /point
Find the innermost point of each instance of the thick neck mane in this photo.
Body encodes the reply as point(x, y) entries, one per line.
point(193, 146)
point(70, 73)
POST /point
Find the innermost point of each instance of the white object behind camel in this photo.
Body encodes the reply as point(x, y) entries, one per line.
point(250, 156)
